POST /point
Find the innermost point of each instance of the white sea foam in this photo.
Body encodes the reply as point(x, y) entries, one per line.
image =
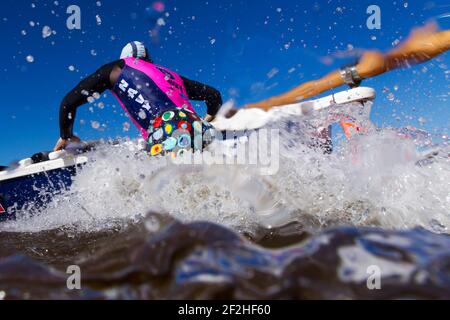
point(373, 180)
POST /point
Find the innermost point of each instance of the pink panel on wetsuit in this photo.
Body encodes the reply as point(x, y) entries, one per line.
point(177, 94)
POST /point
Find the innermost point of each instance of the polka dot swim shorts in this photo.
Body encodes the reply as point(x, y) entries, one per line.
point(177, 131)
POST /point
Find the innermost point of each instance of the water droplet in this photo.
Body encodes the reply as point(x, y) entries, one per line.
point(95, 125)
point(142, 114)
point(46, 32)
point(152, 224)
point(422, 120)
point(161, 22)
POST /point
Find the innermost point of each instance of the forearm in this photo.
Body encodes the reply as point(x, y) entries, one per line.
point(302, 92)
point(213, 102)
point(330, 81)
point(67, 114)
point(289, 97)
point(74, 99)
point(95, 84)
point(200, 92)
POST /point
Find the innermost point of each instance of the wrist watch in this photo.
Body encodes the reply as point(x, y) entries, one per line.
point(351, 76)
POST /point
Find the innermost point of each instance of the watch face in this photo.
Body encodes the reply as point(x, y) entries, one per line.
point(351, 76)
point(346, 76)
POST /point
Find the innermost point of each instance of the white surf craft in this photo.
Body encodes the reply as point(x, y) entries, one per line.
point(251, 119)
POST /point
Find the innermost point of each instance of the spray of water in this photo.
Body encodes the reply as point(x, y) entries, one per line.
point(376, 179)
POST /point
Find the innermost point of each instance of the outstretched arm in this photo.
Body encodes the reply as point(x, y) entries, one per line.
point(422, 45)
point(97, 83)
point(302, 92)
point(201, 92)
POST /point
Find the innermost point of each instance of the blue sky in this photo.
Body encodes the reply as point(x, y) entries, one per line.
point(230, 44)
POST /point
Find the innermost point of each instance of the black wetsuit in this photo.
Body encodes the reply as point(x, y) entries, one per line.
point(100, 81)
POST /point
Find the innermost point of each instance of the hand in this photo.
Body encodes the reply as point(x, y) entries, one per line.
point(304, 91)
point(62, 143)
point(419, 41)
point(423, 44)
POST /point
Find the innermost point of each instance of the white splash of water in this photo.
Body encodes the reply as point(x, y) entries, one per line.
point(374, 180)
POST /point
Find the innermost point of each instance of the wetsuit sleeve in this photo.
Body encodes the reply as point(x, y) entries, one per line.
point(201, 92)
point(96, 83)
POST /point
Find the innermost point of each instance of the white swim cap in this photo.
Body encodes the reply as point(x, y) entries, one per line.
point(135, 49)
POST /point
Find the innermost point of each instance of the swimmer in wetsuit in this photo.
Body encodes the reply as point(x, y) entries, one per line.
point(155, 98)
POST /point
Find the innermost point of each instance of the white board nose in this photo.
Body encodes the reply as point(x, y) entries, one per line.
point(251, 119)
point(56, 155)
